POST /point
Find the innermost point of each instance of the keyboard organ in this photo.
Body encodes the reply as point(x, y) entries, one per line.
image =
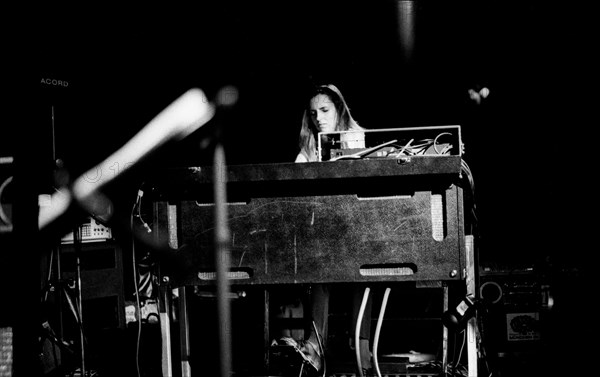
point(343, 221)
point(359, 221)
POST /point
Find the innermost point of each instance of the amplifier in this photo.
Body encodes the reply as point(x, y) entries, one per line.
point(102, 281)
point(512, 290)
point(515, 304)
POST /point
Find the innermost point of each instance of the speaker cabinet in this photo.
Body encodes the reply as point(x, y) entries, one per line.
point(513, 317)
point(102, 289)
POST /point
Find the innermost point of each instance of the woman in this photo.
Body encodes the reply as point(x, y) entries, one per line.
point(327, 111)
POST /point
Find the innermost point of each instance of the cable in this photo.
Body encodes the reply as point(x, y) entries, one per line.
point(49, 276)
point(73, 306)
point(467, 170)
point(3, 215)
point(363, 153)
point(471, 182)
point(321, 348)
point(404, 148)
point(435, 143)
point(79, 298)
point(462, 347)
point(361, 312)
point(456, 357)
point(378, 329)
point(137, 206)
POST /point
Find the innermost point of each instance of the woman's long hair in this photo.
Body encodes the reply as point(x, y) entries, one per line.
point(309, 131)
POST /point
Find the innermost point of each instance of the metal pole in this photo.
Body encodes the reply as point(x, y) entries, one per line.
point(222, 259)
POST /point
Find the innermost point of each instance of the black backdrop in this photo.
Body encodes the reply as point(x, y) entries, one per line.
point(123, 69)
point(527, 143)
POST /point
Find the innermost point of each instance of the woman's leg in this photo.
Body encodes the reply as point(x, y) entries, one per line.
point(319, 297)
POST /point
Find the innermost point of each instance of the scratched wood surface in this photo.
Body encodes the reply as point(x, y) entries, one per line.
point(334, 238)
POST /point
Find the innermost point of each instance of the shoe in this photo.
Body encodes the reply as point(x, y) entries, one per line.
point(311, 355)
point(368, 372)
point(305, 349)
point(288, 341)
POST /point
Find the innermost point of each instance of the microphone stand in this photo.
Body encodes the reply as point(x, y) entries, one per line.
point(222, 260)
point(226, 98)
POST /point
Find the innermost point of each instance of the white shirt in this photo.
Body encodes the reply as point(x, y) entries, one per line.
point(301, 158)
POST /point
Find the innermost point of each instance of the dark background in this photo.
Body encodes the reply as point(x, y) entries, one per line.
point(528, 144)
point(122, 69)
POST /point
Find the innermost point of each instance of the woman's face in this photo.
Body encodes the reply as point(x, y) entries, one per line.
point(323, 113)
